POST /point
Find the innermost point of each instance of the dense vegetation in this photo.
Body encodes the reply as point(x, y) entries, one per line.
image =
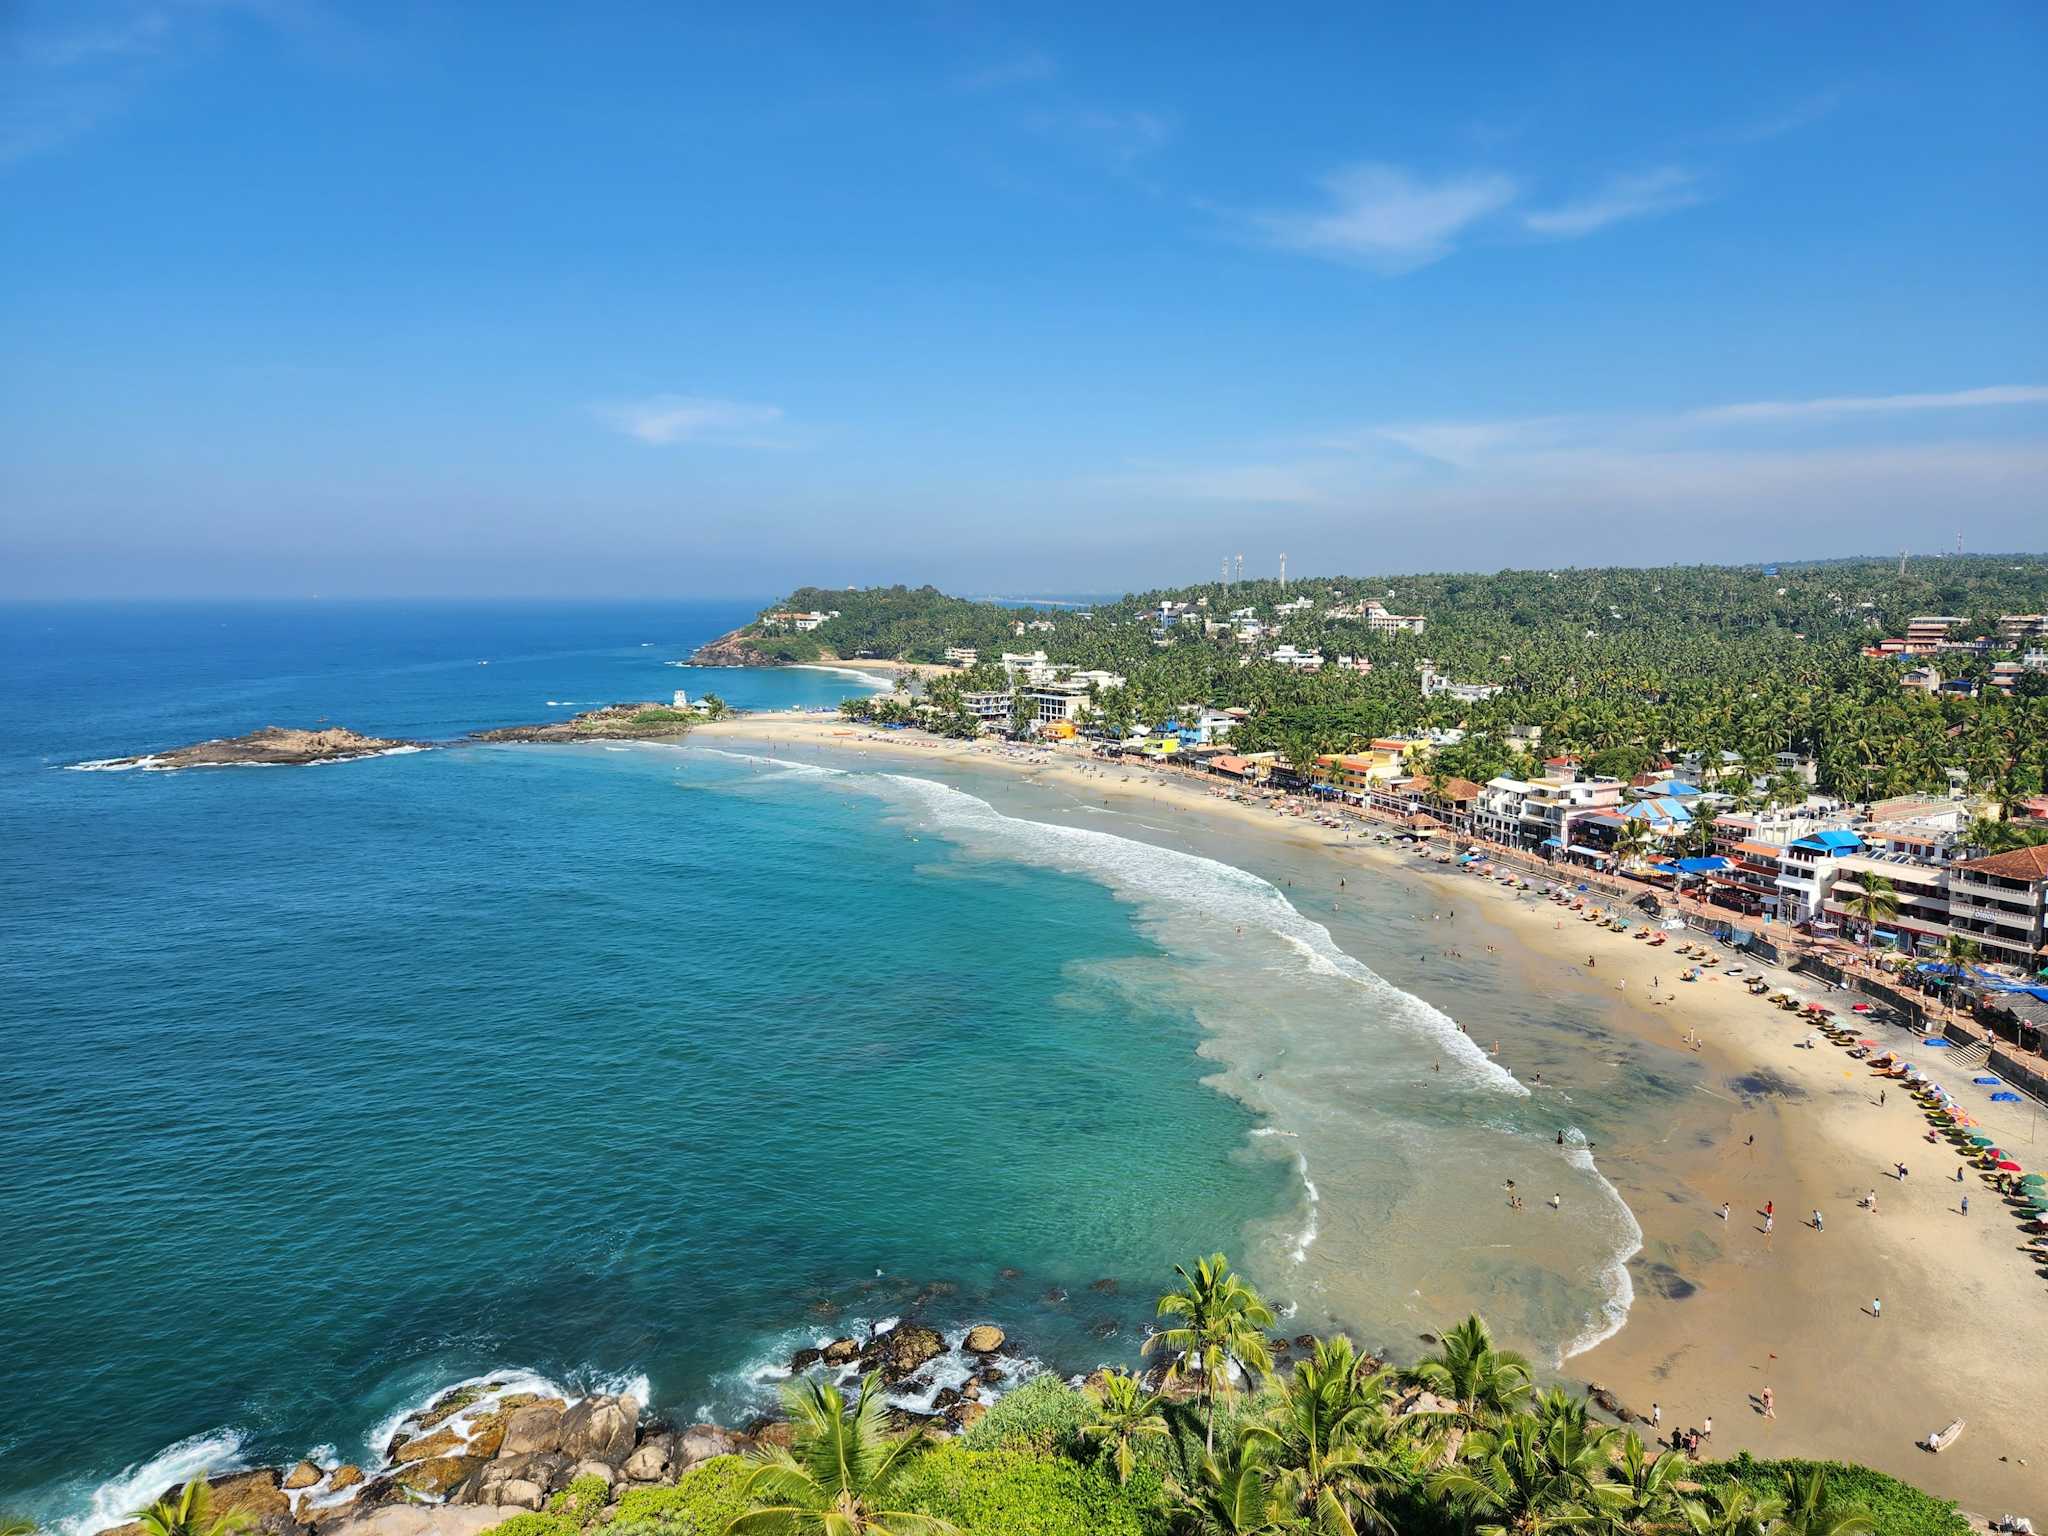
point(1617, 665)
point(1340, 1445)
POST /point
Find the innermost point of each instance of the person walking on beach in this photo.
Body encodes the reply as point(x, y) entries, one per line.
point(1707, 1427)
point(1770, 1404)
point(1769, 1222)
point(1724, 1210)
point(1877, 1306)
point(1556, 1203)
point(1880, 1098)
point(1966, 1205)
point(1656, 1415)
point(1817, 1226)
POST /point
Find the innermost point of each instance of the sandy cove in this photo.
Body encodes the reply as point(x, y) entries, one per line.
point(1962, 1330)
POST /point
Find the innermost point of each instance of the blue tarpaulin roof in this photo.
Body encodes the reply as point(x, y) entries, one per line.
point(1678, 787)
point(1551, 842)
point(1664, 808)
point(1830, 842)
point(1701, 866)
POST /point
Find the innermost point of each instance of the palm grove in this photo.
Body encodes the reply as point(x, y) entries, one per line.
point(1617, 666)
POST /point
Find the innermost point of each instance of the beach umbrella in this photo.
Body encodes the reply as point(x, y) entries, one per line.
point(1935, 1043)
point(2035, 1179)
point(2007, 1165)
point(1978, 1141)
point(1860, 1008)
point(1866, 1042)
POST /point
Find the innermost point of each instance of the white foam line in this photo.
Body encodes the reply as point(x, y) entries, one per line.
point(114, 1501)
point(1306, 1239)
point(873, 680)
point(1614, 1279)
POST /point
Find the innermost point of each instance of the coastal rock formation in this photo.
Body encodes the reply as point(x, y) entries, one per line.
point(600, 1428)
point(304, 1475)
point(441, 1442)
point(273, 744)
point(841, 1352)
point(258, 1496)
point(900, 1351)
point(733, 649)
point(535, 1428)
point(701, 1442)
point(643, 721)
point(650, 1462)
point(983, 1339)
point(437, 1477)
point(347, 1475)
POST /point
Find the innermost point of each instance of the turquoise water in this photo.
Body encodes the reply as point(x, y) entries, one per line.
point(334, 1086)
point(330, 1086)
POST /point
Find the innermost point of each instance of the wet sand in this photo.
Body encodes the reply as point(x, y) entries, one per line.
point(1721, 1309)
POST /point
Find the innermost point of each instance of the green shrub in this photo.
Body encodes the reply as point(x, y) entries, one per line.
point(702, 1502)
point(1045, 1414)
point(1899, 1508)
point(582, 1501)
point(1018, 1493)
point(534, 1525)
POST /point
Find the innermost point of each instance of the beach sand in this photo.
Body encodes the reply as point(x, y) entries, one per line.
point(1721, 1310)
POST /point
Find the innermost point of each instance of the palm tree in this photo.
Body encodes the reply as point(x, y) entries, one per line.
point(1957, 950)
point(838, 1474)
point(1733, 1511)
point(1221, 1331)
point(189, 1512)
point(1528, 1478)
point(1125, 1414)
point(1631, 842)
point(1810, 1510)
point(1876, 903)
point(1231, 1496)
point(1650, 1481)
point(1469, 1371)
point(17, 1527)
point(1332, 1445)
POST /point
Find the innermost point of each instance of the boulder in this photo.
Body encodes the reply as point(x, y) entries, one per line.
point(535, 1429)
point(983, 1339)
point(901, 1351)
point(840, 1352)
point(304, 1475)
point(521, 1494)
point(961, 1415)
point(597, 1469)
point(448, 1404)
point(779, 1435)
point(438, 1476)
point(347, 1475)
point(442, 1442)
point(1304, 1341)
point(990, 1375)
point(945, 1398)
point(258, 1495)
point(701, 1442)
point(428, 1520)
point(600, 1428)
point(487, 1435)
point(650, 1459)
point(492, 1483)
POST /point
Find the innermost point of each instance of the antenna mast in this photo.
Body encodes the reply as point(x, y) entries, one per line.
point(1283, 573)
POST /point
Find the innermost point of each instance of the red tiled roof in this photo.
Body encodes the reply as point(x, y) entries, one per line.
point(2019, 864)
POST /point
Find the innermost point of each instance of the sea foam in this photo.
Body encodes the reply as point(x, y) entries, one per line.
point(115, 1501)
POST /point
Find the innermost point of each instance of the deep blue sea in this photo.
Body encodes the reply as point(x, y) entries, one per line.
point(329, 1087)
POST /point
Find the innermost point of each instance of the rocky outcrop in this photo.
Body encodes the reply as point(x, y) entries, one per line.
point(701, 1442)
point(437, 1477)
point(902, 1351)
point(533, 1429)
point(273, 744)
point(600, 1428)
point(651, 1461)
point(644, 721)
point(442, 1442)
point(347, 1475)
point(841, 1352)
point(304, 1475)
point(734, 648)
point(983, 1339)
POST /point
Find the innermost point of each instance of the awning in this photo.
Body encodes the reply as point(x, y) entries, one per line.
point(1551, 842)
point(1598, 853)
point(1701, 866)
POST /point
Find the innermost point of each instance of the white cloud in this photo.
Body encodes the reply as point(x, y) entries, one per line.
point(1385, 218)
point(1864, 405)
point(664, 419)
point(1623, 197)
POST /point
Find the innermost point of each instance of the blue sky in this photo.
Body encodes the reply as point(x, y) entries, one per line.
point(311, 297)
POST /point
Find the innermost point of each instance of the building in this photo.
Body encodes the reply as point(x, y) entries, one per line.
point(962, 655)
point(1998, 901)
point(1921, 891)
point(2017, 630)
point(1929, 632)
point(1498, 814)
point(1353, 664)
point(990, 708)
point(798, 621)
point(1927, 679)
point(1382, 622)
point(1031, 663)
point(1298, 605)
point(1808, 872)
point(1749, 883)
point(1434, 682)
point(1553, 805)
point(1301, 661)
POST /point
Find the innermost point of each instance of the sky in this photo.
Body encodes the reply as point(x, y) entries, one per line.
point(305, 297)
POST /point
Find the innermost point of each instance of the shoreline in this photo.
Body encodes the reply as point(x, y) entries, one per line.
point(1710, 1300)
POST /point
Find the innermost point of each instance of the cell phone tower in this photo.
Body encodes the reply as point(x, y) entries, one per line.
point(1283, 573)
point(1240, 567)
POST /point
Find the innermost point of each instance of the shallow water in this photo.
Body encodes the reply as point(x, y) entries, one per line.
point(651, 1065)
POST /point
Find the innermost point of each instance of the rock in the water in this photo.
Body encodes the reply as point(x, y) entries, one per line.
point(983, 1339)
point(442, 1442)
point(1104, 1287)
point(1304, 1341)
point(487, 1435)
point(945, 1398)
point(347, 1475)
point(448, 1404)
point(900, 1351)
point(1280, 1346)
point(304, 1475)
point(438, 1476)
point(701, 1442)
point(841, 1352)
point(533, 1430)
point(600, 1428)
point(990, 1375)
point(804, 1359)
point(1055, 1296)
point(1007, 1273)
point(961, 1415)
point(650, 1459)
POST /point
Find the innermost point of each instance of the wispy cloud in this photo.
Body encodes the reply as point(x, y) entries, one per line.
point(1790, 119)
point(1869, 405)
point(1622, 197)
point(1031, 67)
point(667, 419)
point(1383, 217)
point(1116, 138)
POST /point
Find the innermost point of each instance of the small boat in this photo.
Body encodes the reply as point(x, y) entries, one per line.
point(1943, 1438)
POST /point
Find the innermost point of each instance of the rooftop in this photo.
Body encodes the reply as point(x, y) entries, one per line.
point(2019, 864)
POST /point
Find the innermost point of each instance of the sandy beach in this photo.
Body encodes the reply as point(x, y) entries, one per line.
point(1722, 1309)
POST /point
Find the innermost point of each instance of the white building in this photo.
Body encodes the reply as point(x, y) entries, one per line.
point(1498, 813)
point(962, 655)
point(1301, 661)
point(1434, 682)
point(1298, 605)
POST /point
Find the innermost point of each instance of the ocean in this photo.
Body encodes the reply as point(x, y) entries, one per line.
point(641, 1065)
